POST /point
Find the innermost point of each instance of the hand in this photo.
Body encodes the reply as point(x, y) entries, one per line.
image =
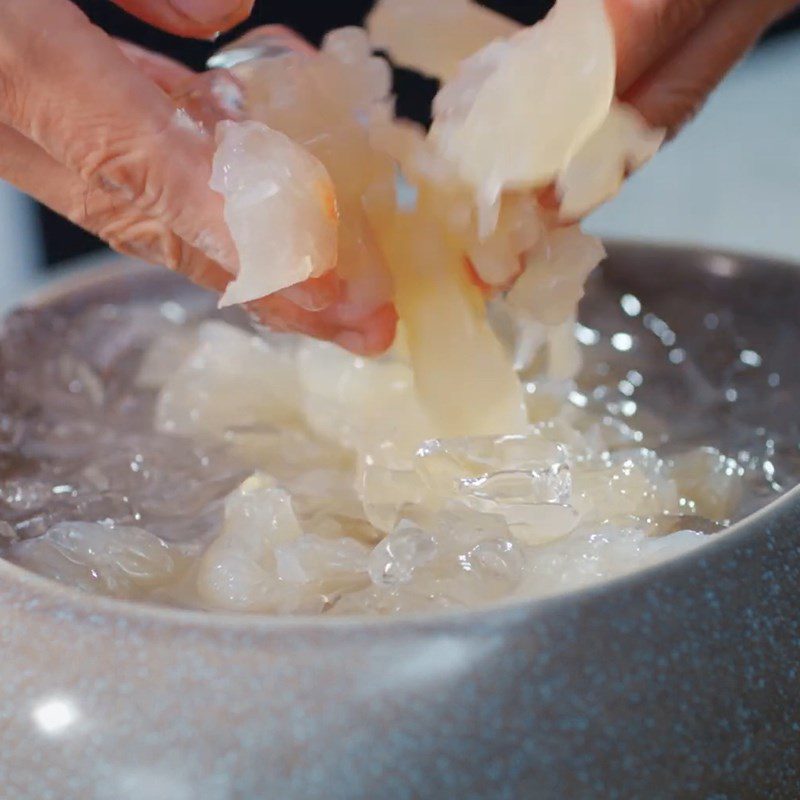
point(91, 128)
point(88, 129)
point(673, 53)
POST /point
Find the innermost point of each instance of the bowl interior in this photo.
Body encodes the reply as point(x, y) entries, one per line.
point(649, 310)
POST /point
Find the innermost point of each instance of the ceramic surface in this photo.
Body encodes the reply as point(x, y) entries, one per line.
point(677, 682)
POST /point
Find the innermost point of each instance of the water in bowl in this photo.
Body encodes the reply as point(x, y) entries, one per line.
point(155, 451)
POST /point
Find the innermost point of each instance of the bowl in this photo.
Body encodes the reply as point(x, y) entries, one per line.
point(680, 680)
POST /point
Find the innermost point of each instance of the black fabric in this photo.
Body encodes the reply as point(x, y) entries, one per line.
point(312, 18)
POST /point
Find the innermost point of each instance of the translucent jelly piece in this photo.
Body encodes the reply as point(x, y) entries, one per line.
point(554, 276)
point(163, 359)
point(385, 491)
point(261, 515)
point(325, 492)
point(563, 354)
point(310, 558)
point(462, 374)
point(477, 559)
point(499, 257)
point(284, 452)
point(634, 483)
point(356, 401)
point(712, 482)
point(444, 463)
point(459, 528)
point(552, 485)
point(592, 554)
point(238, 570)
point(349, 45)
point(620, 146)
point(434, 37)
point(102, 559)
point(323, 101)
point(7, 533)
point(24, 495)
point(495, 559)
point(549, 93)
point(280, 207)
point(532, 523)
point(395, 558)
point(206, 397)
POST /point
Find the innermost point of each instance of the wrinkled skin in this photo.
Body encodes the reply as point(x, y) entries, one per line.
point(100, 141)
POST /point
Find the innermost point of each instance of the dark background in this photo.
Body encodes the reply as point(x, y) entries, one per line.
point(312, 18)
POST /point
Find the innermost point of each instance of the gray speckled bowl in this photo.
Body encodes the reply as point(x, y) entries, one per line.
point(679, 681)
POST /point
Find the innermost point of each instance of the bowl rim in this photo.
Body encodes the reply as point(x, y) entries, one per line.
point(47, 592)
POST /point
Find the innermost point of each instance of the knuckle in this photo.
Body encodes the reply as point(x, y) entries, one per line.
point(119, 159)
point(119, 165)
point(144, 238)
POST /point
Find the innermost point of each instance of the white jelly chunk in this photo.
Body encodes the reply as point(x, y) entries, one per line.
point(280, 207)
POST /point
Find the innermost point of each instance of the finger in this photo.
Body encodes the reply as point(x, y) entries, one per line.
point(141, 229)
point(316, 294)
point(167, 74)
point(374, 335)
point(208, 97)
point(121, 133)
point(368, 336)
point(121, 225)
point(196, 18)
point(673, 92)
point(646, 30)
point(126, 230)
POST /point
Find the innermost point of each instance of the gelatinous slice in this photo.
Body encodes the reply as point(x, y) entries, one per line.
point(322, 101)
point(549, 90)
point(238, 570)
point(595, 174)
point(204, 396)
point(279, 206)
point(100, 559)
point(433, 37)
point(462, 374)
point(712, 482)
point(553, 280)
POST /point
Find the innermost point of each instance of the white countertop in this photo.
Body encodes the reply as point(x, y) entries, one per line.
point(730, 180)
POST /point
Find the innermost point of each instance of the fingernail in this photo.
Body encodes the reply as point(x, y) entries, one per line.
point(206, 12)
